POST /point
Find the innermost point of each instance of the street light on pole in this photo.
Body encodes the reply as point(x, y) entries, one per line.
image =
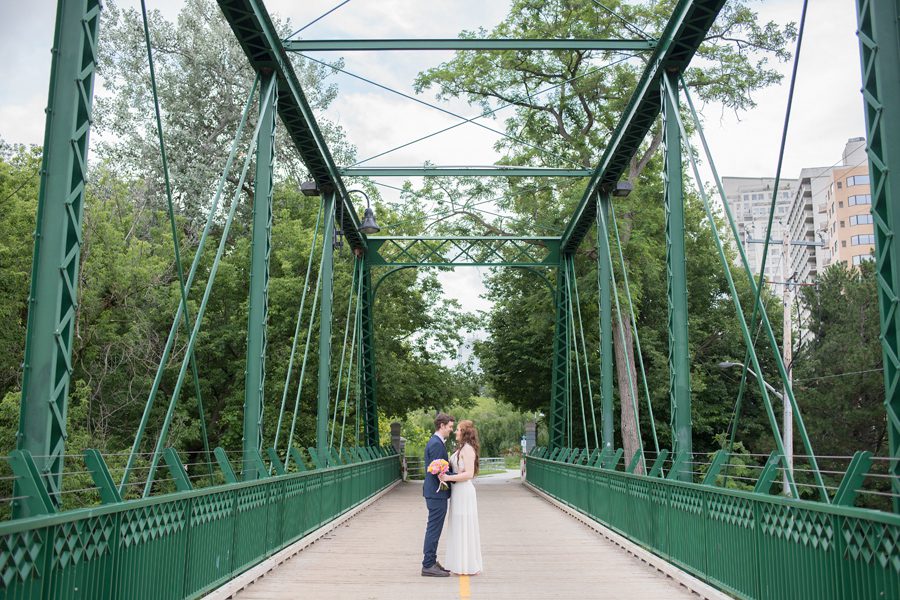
point(787, 425)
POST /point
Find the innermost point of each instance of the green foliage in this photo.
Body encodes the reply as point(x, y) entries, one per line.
point(500, 426)
point(129, 293)
point(18, 202)
point(565, 105)
point(837, 373)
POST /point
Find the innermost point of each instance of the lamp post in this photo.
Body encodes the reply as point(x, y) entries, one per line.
point(787, 425)
point(368, 226)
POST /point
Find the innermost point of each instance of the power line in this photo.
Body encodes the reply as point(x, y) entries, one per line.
point(840, 375)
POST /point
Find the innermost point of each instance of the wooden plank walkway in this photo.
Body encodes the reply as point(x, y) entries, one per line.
point(531, 550)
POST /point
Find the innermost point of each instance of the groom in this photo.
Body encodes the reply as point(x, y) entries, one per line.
point(436, 500)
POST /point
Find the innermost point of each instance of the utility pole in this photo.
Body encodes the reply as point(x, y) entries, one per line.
point(787, 418)
point(787, 425)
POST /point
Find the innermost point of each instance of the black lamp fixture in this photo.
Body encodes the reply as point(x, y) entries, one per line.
point(622, 189)
point(368, 226)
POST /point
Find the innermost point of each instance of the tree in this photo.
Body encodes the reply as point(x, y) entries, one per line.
point(129, 290)
point(838, 372)
point(565, 105)
point(19, 179)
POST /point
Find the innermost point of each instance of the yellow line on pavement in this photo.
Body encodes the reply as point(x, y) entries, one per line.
point(464, 591)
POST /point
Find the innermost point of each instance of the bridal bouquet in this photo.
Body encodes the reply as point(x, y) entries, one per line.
point(437, 467)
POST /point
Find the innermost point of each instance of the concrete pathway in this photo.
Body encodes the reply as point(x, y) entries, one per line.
point(531, 550)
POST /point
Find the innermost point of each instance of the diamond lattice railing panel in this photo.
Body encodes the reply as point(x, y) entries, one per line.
point(464, 251)
point(19, 554)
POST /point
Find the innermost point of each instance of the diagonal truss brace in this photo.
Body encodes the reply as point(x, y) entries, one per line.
point(686, 30)
point(262, 44)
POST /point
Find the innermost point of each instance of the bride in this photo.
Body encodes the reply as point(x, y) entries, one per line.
point(463, 538)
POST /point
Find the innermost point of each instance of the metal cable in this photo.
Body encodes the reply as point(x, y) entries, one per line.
point(174, 228)
point(303, 296)
point(495, 110)
point(317, 19)
point(438, 108)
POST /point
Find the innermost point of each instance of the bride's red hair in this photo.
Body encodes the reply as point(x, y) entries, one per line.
point(469, 436)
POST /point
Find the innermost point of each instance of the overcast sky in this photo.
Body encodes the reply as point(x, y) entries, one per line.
point(827, 105)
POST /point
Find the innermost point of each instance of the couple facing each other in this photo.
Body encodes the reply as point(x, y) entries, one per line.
point(463, 555)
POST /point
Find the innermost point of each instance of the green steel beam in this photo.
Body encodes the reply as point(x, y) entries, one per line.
point(685, 31)
point(53, 296)
point(853, 478)
point(493, 171)
point(177, 471)
point(879, 43)
point(466, 44)
point(327, 275)
point(106, 487)
point(676, 289)
point(225, 465)
point(403, 251)
point(31, 493)
point(607, 358)
point(262, 44)
point(367, 357)
point(559, 386)
point(258, 311)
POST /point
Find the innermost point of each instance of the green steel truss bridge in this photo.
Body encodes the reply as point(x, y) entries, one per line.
point(146, 540)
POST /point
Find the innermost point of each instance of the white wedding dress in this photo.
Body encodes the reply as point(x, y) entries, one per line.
point(463, 537)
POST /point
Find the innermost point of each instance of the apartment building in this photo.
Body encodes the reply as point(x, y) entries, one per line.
point(806, 224)
point(749, 199)
point(848, 204)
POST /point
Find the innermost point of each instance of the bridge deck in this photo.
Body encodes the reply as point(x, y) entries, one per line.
point(530, 548)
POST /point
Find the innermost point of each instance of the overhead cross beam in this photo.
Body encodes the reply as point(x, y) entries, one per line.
point(686, 30)
point(261, 42)
point(473, 251)
point(492, 171)
point(466, 44)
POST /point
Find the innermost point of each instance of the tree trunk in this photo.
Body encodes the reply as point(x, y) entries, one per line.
point(625, 371)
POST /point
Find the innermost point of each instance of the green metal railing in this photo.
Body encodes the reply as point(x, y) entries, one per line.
point(180, 545)
point(748, 544)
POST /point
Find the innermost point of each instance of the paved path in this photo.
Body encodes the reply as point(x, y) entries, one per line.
point(531, 551)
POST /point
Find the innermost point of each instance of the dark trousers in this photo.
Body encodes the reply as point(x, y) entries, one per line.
point(437, 510)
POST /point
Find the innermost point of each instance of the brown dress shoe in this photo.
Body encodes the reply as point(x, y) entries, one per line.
point(434, 571)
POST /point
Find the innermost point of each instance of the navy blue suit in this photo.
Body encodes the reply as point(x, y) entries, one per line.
point(435, 500)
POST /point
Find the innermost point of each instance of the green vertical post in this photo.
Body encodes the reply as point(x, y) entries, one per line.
point(367, 351)
point(57, 244)
point(559, 386)
point(255, 371)
point(324, 395)
point(607, 359)
point(679, 358)
point(879, 43)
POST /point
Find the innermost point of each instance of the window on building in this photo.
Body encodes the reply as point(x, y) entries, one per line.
point(842, 223)
point(860, 199)
point(844, 244)
point(860, 258)
point(861, 220)
point(859, 240)
point(840, 205)
point(835, 246)
point(857, 180)
point(839, 184)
